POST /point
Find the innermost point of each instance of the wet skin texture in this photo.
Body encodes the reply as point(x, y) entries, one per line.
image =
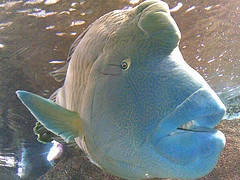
point(136, 108)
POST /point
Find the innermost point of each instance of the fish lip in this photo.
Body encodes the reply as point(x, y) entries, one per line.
point(191, 147)
point(204, 120)
point(187, 136)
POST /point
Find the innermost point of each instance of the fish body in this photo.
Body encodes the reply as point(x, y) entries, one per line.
point(131, 102)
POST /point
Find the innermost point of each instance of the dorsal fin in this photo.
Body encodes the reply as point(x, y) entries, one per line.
point(60, 74)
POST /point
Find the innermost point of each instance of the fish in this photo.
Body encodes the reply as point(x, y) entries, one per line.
point(131, 102)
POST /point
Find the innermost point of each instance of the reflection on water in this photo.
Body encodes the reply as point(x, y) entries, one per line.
point(35, 36)
point(210, 33)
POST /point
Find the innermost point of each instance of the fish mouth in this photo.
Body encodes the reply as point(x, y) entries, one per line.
point(189, 126)
point(199, 112)
point(187, 134)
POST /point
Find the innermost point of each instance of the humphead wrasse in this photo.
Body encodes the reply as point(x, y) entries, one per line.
point(131, 102)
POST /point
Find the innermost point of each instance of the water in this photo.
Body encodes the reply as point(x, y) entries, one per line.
point(210, 33)
point(35, 36)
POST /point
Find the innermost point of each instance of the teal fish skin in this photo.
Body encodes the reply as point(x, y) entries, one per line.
point(143, 111)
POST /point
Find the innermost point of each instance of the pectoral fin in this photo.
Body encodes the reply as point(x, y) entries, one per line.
point(55, 118)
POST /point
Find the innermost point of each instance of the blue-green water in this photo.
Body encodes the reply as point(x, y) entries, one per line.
point(35, 36)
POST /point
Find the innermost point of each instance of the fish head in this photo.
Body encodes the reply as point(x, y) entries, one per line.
point(149, 113)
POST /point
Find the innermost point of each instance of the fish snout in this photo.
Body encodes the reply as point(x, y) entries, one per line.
point(201, 111)
point(186, 137)
point(204, 108)
point(155, 20)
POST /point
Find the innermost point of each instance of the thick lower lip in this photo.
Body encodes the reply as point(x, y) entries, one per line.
point(188, 147)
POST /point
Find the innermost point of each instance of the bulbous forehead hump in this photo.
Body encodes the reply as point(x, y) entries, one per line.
point(161, 6)
point(155, 20)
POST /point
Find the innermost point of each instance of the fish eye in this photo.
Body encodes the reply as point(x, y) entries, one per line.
point(125, 64)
